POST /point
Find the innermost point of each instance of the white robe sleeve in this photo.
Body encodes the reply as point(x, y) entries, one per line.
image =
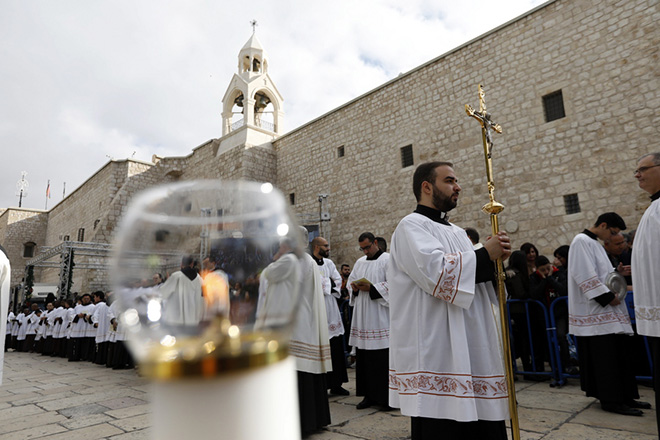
point(336, 277)
point(581, 267)
point(447, 276)
point(279, 270)
point(352, 278)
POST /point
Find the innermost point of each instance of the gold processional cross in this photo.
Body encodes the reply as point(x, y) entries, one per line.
point(493, 208)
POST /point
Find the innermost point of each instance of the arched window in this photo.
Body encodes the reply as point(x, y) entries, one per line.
point(28, 249)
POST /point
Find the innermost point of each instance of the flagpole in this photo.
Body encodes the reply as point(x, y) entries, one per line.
point(47, 195)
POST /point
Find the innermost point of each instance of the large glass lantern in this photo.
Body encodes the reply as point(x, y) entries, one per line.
point(213, 343)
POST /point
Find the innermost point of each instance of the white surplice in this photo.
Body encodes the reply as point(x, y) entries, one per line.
point(183, 303)
point(309, 343)
point(329, 272)
point(282, 278)
point(81, 328)
point(645, 274)
point(21, 322)
point(102, 319)
point(445, 355)
point(588, 267)
point(5, 275)
point(53, 320)
point(370, 326)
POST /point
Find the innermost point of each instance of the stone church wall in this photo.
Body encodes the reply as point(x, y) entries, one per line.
point(603, 56)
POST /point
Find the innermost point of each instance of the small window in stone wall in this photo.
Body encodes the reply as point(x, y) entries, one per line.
point(553, 105)
point(81, 234)
point(572, 204)
point(28, 249)
point(65, 238)
point(406, 156)
point(96, 223)
point(340, 151)
point(292, 198)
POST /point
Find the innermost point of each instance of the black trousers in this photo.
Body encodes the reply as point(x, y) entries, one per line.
point(338, 375)
point(444, 429)
point(372, 375)
point(654, 344)
point(606, 370)
point(313, 402)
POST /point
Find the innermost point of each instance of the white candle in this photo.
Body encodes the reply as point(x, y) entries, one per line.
point(259, 403)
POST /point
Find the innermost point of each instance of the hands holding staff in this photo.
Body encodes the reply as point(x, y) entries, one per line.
point(498, 246)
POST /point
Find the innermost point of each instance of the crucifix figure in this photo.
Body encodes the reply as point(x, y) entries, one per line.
point(486, 126)
point(484, 119)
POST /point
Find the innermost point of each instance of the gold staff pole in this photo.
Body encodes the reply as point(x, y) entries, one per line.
point(493, 208)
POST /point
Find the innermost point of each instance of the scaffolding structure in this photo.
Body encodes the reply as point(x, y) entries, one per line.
point(89, 255)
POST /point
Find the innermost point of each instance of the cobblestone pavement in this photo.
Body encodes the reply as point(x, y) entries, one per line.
point(49, 398)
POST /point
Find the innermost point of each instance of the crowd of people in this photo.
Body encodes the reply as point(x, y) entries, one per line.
point(418, 321)
point(83, 329)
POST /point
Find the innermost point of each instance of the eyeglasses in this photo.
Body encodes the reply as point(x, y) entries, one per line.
point(640, 170)
point(366, 248)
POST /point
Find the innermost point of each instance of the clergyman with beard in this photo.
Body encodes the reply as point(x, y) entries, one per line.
point(446, 370)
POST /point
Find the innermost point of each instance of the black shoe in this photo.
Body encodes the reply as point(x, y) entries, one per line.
point(366, 403)
point(620, 408)
point(339, 391)
point(638, 404)
point(535, 378)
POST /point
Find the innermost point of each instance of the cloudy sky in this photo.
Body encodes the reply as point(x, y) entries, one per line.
point(84, 81)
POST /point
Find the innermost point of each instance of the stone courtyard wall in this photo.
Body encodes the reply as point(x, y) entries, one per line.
point(603, 56)
point(17, 227)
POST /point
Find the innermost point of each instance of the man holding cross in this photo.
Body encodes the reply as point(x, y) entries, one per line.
point(446, 370)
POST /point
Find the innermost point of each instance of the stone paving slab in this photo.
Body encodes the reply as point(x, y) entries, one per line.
point(135, 435)
point(23, 423)
point(95, 432)
point(574, 431)
point(52, 399)
point(33, 432)
point(88, 420)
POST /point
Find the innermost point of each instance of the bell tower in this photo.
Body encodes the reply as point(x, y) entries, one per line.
point(252, 106)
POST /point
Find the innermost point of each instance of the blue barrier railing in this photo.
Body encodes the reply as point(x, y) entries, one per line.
point(558, 373)
point(530, 328)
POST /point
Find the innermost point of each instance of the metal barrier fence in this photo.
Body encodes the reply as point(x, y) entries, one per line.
point(529, 326)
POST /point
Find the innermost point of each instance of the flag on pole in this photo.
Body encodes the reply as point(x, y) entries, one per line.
point(48, 190)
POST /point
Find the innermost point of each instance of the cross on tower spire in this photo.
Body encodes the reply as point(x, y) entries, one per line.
point(254, 25)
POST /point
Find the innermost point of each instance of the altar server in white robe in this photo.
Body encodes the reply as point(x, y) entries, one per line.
point(21, 322)
point(5, 275)
point(331, 285)
point(370, 326)
point(446, 364)
point(32, 323)
point(101, 321)
point(58, 326)
point(81, 338)
point(600, 321)
point(309, 340)
point(645, 265)
point(9, 325)
point(182, 296)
